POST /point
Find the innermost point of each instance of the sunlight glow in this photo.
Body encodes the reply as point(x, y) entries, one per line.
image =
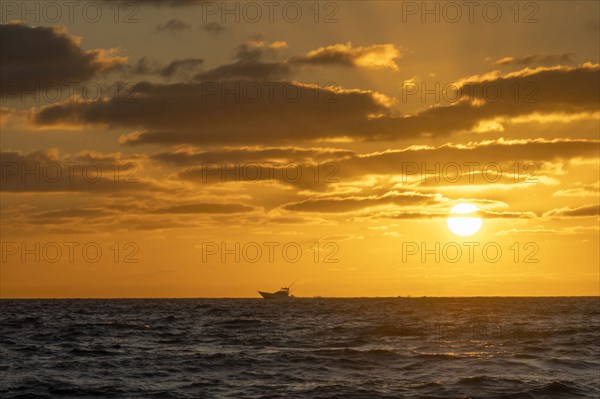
point(464, 225)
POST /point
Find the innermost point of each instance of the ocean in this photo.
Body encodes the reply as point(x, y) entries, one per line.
point(302, 348)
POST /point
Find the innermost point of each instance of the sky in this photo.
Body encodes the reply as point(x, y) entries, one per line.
point(212, 149)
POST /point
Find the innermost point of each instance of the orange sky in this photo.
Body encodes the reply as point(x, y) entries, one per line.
point(170, 150)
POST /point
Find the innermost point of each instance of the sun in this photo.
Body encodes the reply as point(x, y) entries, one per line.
point(464, 226)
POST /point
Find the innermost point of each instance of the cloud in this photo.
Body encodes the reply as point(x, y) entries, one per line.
point(35, 56)
point(494, 163)
point(586, 190)
point(93, 175)
point(250, 63)
point(551, 89)
point(197, 113)
point(46, 172)
point(67, 216)
point(506, 214)
point(174, 25)
point(214, 28)
point(12, 116)
point(207, 208)
point(145, 224)
point(353, 203)
point(440, 209)
point(246, 69)
point(246, 155)
point(557, 90)
point(582, 211)
point(257, 112)
point(414, 160)
point(142, 66)
point(554, 59)
point(180, 65)
point(377, 56)
point(567, 231)
point(416, 215)
point(305, 176)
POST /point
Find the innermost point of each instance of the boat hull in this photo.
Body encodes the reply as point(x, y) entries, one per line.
point(271, 295)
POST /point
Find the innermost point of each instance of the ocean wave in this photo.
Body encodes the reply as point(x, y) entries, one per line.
point(338, 348)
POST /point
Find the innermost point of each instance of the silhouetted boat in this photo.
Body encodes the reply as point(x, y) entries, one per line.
point(283, 293)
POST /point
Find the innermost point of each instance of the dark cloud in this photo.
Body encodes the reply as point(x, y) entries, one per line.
point(236, 112)
point(40, 55)
point(174, 25)
point(142, 66)
point(45, 171)
point(67, 216)
point(557, 90)
point(553, 89)
point(252, 70)
point(250, 65)
point(177, 66)
point(214, 28)
point(188, 112)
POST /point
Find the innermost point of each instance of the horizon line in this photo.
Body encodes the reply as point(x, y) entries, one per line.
point(309, 297)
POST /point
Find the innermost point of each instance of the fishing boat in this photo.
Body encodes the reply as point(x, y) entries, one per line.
point(283, 293)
